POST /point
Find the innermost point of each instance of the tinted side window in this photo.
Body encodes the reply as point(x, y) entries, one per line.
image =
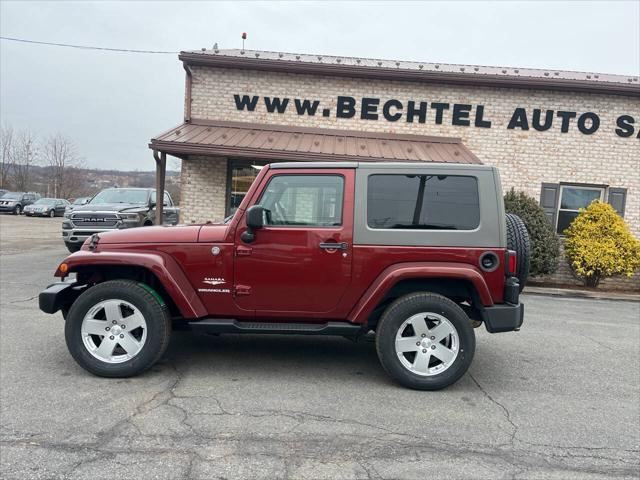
point(304, 200)
point(425, 202)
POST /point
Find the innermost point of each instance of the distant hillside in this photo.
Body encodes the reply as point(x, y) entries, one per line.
point(90, 180)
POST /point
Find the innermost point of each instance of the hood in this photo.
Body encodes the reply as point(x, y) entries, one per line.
point(110, 207)
point(164, 234)
point(213, 232)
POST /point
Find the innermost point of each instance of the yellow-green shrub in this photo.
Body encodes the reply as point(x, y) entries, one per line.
point(598, 244)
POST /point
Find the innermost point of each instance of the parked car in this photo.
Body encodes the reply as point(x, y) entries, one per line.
point(14, 202)
point(77, 202)
point(81, 201)
point(415, 252)
point(114, 209)
point(47, 207)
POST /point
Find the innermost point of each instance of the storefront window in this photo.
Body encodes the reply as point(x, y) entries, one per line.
point(572, 199)
point(241, 176)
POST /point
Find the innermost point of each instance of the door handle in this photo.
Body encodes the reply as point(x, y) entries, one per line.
point(333, 246)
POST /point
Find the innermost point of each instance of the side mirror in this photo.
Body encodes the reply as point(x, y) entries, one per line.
point(152, 204)
point(255, 221)
point(255, 217)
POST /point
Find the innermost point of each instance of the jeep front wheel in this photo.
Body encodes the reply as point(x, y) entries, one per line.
point(117, 329)
point(425, 341)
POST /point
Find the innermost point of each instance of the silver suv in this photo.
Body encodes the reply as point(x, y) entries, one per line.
point(112, 209)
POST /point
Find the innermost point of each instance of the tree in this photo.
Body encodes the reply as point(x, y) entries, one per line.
point(545, 246)
point(24, 156)
point(61, 157)
point(599, 244)
point(7, 152)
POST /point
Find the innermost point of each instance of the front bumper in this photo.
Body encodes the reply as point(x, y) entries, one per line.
point(7, 208)
point(503, 318)
point(59, 295)
point(31, 213)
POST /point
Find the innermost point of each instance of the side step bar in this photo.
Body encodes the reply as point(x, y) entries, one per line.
point(229, 325)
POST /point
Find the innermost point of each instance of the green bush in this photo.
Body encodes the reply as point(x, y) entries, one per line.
point(545, 247)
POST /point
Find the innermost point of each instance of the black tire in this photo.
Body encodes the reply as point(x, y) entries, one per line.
point(73, 247)
point(156, 316)
point(17, 210)
point(404, 308)
point(52, 213)
point(518, 241)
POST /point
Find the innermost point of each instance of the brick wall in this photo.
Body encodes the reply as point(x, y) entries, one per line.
point(203, 189)
point(525, 158)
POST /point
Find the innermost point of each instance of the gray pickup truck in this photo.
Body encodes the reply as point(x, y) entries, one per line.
point(113, 209)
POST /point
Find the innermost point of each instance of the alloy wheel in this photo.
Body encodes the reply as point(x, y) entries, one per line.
point(427, 344)
point(114, 331)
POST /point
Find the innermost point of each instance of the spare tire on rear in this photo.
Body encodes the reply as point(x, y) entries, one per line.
point(518, 241)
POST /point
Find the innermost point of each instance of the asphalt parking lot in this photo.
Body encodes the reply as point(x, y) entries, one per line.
point(559, 399)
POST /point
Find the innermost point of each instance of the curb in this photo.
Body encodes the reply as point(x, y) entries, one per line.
point(586, 294)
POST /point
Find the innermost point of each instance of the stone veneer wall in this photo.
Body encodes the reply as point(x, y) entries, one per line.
point(203, 189)
point(525, 158)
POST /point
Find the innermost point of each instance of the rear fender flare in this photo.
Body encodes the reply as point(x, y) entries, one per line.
point(412, 270)
point(165, 268)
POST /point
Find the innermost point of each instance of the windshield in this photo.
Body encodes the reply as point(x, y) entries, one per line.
point(44, 201)
point(121, 195)
point(80, 201)
point(12, 196)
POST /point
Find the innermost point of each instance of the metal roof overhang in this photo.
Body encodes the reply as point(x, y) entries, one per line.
point(284, 143)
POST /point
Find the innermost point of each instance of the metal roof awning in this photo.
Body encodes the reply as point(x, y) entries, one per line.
point(277, 142)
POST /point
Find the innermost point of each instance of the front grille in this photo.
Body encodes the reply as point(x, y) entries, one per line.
point(90, 219)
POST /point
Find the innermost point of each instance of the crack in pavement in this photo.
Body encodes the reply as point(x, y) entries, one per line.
point(504, 409)
point(13, 302)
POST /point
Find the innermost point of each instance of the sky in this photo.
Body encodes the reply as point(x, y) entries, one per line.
point(111, 104)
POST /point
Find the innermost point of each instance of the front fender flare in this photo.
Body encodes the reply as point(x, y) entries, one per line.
point(160, 264)
point(410, 270)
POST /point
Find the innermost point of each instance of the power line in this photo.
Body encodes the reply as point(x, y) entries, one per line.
point(85, 47)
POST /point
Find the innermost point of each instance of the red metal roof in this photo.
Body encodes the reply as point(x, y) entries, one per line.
point(248, 140)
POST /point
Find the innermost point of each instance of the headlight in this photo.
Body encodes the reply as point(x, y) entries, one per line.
point(128, 217)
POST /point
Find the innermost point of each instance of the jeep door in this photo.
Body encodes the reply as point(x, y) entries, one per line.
point(299, 263)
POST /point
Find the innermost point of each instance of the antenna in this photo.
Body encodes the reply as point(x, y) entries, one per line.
point(244, 37)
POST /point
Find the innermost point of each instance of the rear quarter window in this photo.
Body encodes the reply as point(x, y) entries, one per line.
point(423, 202)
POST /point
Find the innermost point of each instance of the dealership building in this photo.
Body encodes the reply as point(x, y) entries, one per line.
point(565, 138)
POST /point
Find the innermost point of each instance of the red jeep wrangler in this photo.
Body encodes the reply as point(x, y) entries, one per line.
point(418, 253)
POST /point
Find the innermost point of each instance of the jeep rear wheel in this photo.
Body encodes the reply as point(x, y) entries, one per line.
point(117, 329)
point(425, 341)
